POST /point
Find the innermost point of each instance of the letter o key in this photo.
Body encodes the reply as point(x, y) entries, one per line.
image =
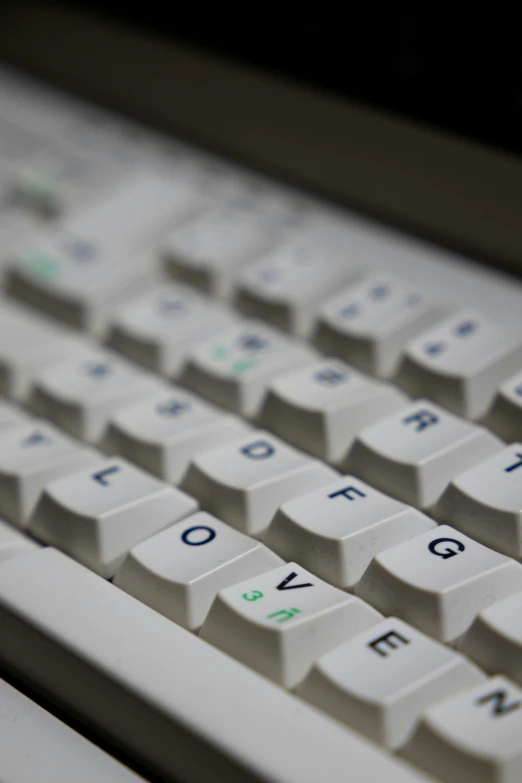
point(211, 534)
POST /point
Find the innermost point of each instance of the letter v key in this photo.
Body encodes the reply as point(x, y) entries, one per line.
point(284, 585)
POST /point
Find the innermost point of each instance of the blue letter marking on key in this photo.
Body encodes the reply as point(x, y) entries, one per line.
point(515, 465)
point(101, 476)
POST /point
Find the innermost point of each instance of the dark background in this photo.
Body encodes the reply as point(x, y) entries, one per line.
point(461, 72)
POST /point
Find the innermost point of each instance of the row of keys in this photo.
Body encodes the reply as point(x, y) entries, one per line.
point(82, 268)
point(412, 455)
point(383, 677)
point(323, 408)
point(162, 331)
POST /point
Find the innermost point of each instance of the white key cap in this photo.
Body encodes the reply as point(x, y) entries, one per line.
point(13, 543)
point(415, 453)
point(460, 363)
point(166, 430)
point(474, 736)
point(336, 530)
point(244, 482)
point(439, 581)
point(158, 328)
point(168, 689)
point(11, 416)
point(369, 323)
point(32, 455)
point(505, 416)
point(234, 368)
point(288, 283)
point(96, 257)
point(382, 680)
point(58, 180)
point(28, 345)
point(494, 640)
point(280, 622)
point(179, 571)
point(15, 229)
point(97, 514)
point(207, 250)
point(486, 502)
point(322, 407)
point(82, 393)
point(57, 753)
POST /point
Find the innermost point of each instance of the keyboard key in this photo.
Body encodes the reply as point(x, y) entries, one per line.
point(158, 328)
point(505, 416)
point(58, 180)
point(460, 363)
point(369, 323)
point(81, 394)
point(57, 752)
point(486, 501)
point(207, 250)
point(494, 640)
point(97, 257)
point(337, 529)
point(163, 432)
point(382, 680)
point(15, 229)
point(439, 581)
point(97, 514)
point(475, 736)
point(280, 622)
point(414, 453)
point(322, 406)
point(178, 571)
point(153, 669)
point(13, 544)
point(286, 286)
point(11, 416)
point(32, 455)
point(27, 346)
point(246, 481)
point(234, 368)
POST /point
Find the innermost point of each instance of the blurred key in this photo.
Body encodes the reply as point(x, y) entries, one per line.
point(29, 344)
point(505, 415)
point(369, 322)
point(324, 405)
point(288, 283)
point(82, 393)
point(158, 328)
point(163, 432)
point(11, 416)
point(208, 249)
point(32, 455)
point(234, 367)
point(99, 255)
point(460, 362)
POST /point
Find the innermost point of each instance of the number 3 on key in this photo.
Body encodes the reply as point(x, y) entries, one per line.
point(253, 596)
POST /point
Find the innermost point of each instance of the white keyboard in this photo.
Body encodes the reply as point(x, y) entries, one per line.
point(260, 478)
